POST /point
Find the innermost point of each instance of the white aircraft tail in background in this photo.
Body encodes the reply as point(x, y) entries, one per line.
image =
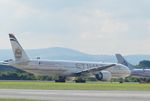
point(121, 60)
point(139, 73)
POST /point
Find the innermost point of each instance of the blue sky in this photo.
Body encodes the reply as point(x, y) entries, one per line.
point(91, 26)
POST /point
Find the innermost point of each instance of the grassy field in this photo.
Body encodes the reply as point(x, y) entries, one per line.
point(18, 100)
point(74, 86)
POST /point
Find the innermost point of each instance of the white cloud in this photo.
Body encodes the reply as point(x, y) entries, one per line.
point(148, 25)
point(93, 27)
point(112, 26)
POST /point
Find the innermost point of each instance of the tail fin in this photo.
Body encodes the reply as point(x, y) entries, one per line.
point(19, 53)
point(121, 60)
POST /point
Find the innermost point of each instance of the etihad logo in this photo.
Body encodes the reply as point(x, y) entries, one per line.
point(18, 53)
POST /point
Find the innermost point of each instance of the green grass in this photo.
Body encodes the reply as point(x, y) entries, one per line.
point(74, 86)
point(18, 100)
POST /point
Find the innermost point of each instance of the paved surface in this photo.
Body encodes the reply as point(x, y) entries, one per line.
point(76, 95)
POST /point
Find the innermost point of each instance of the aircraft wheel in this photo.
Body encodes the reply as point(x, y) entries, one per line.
point(121, 80)
point(80, 81)
point(61, 79)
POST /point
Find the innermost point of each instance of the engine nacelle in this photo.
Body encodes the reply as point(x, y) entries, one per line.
point(103, 76)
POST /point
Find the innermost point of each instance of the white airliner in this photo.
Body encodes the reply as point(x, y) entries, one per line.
point(139, 73)
point(63, 69)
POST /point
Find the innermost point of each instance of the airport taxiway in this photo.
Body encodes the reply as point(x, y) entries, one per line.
point(75, 95)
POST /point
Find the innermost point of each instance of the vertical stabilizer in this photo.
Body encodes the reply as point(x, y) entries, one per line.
point(19, 53)
point(121, 60)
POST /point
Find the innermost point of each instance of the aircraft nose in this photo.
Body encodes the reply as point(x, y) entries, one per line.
point(127, 70)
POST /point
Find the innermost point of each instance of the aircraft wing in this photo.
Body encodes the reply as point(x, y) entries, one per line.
point(94, 69)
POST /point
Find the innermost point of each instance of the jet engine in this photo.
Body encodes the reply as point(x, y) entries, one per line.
point(103, 76)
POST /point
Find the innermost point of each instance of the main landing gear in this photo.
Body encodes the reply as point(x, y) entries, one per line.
point(80, 80)
point(121, 80)
point(61, 79)
point(77, 80)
